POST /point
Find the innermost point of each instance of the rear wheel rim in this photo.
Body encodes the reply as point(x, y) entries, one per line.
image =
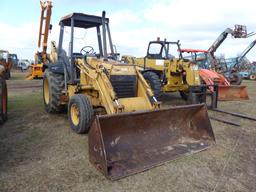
point(74, 113)
point(46, 92)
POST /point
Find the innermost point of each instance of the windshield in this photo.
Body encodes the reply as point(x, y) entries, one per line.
point(82, 38)
point(173, 51)
point(155, 48)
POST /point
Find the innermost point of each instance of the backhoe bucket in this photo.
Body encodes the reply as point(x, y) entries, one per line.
point(232, 93)
point(128, 143)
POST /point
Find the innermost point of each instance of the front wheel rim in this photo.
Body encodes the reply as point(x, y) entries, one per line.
point(46, 92)
point(74, 113)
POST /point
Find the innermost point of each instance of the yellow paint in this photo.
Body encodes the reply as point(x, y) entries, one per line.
point(95, 84)
point(173, 70)
point(46, 92)
point(74, 113)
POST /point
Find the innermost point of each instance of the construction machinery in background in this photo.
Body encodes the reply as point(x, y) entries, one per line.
point(209, 77)
point(6, 62)
point(236, 64)
point(3, 95)
point(249, 72)
point(128, 130)
point(41, 57)
point(232, 74)
point(246, 71)
point(14, 59)
point(213, 72)
point(219, 85)
point(166, 70)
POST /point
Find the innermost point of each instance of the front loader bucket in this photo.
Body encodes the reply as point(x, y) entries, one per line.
point(125, 144)
point(232, 93)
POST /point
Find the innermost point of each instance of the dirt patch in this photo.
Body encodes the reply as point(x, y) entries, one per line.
point(39, 152)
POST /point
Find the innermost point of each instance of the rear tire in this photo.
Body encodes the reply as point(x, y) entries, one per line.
point(252, 77)
point(235, 79)
point(80, 113)
point(154, 82)
point(53, 84)
point(3, 100)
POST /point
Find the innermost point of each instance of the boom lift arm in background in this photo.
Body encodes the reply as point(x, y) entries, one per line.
point(239, 31)
point(44, 28)
point(244, 53)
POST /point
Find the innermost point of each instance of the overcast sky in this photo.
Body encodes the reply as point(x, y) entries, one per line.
point(196, 23)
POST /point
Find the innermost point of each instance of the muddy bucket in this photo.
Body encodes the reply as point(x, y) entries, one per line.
point(232, 93)
point(125, 144)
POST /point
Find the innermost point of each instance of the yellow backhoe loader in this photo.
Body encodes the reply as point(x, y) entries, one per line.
point(129, 132)
point(166, 70)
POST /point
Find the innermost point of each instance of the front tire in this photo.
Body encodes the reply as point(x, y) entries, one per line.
point(3, 100)
point(53, 84)
point(154, 82)
point(80, 113)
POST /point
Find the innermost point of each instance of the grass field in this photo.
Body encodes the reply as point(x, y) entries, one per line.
point(39, 152)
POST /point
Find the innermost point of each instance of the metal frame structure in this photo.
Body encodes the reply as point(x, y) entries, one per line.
point(86, 21)
point(46, 8)
point(165, 47)
point(244, 53)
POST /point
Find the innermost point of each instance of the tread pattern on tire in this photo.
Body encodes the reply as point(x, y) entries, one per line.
point(154, 82)
point(55, 85)
point(86, 113)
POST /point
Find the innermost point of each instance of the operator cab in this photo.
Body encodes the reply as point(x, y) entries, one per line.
point(79, 28)
point(163, 50)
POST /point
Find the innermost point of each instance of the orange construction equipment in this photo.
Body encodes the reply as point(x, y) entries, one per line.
point(41, 58)
point(226, 91)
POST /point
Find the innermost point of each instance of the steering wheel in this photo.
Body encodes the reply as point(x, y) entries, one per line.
point(87, 50)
